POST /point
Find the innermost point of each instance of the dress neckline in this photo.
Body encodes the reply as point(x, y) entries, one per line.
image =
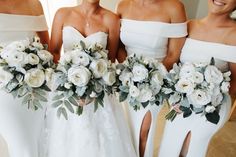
point(83, 36)
point(212, 43)
point(154, 22)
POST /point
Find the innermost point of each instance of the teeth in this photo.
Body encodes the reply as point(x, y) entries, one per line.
point(218, 3)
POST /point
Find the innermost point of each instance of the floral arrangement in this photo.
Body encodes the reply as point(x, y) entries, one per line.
point(198, 88)
point(25, 71)
point(83, 74)
point(140, 81)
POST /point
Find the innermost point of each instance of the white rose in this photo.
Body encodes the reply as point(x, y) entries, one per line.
point(185, 86)
point(109, 78)
point(16, 59)
point(79, 76)
point(134, 91)
point(140, 73)
point(35, 78)
point(32, 59)
point(80, 58)
point(17, 45)
point(199, 98)
point(198, 77)
point(45, 55)
point(210, 109)
point(145, 95)
point(156, 88)
point(125, 78)
point(98, 67)
point(225, 87)
point(187, 70)
point(157, 78)
point(216, 99)
point(213, 75)
point(66, 58)
point(48, 74)
point(5, 77)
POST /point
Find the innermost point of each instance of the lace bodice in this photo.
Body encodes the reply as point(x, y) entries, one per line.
point(149, 38)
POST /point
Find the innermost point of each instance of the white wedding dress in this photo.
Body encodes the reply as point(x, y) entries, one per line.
point(150, 39)
point(19, 126)
point(201, 130)
point(100, 134)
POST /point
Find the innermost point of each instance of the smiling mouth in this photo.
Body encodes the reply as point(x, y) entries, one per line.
point(218, 3)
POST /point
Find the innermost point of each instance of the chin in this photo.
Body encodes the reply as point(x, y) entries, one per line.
point(219, 6)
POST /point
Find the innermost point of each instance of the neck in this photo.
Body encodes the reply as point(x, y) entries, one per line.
point(90, 8)
point(217, 20)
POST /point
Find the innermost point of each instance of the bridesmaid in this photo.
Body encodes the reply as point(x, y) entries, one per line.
point(20, 127)
point(159, 30)
point(212, 36)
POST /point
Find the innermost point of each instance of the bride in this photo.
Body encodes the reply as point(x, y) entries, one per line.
point(100, 134)
point(19, 126)
point(212, 36)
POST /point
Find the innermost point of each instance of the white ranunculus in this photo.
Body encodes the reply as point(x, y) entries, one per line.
point(198, 77)
point(99, 67)
point(145, 95)
point(227, 76)
point(80, 58)
point(18, 45)
point(199, 98)
point(216, 99)
point(109, 78)
point(16, 59)
point(78, 47)
point(36, 43)
point(187, 70)
point(125, 78)
point(134, 91)
point(213, 75)
point(5, 77)
point(156, 88)
point(32, 59)
point(225, 87)
point(174, 98)
point(66, 58)
point(67, 85)
point(79, 76)
point(210, 109)
point(140, 73)
point(35, 78)
point(157, 78)
point(185, 86)
point(45, 55)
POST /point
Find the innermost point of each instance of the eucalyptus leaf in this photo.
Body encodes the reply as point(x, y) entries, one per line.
point(123, 96)
point(57, 97)
point(40, 97)
point(64, 113)
point(145, 104)
point(79, 110)
point(26, 99)
point(73, 101)
point(37, 104)
point(213, 117)
point(69, 106)
point(57, 103)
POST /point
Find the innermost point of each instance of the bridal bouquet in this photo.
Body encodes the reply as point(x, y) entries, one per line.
point(196, 88)
point(141, 80)
point(83, 74)
point(25, 70)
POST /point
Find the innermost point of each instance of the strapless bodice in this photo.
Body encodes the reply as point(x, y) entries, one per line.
point(18, 27)
point(202, 51)
point(72, 36)
point(149, 38)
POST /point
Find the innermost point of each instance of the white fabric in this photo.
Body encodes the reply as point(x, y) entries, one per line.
point(19, 126)
point(150, 39)
point(201, 130)
point(100, 134)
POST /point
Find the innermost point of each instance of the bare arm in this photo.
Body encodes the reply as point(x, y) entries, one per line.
point(113, 38)
point(175, 44)
point(56, 35)
point(233, 80)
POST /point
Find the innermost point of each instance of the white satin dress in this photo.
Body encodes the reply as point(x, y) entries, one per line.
point(201, 130)
point(19, 126)
point(101, 134)
point(149, 39)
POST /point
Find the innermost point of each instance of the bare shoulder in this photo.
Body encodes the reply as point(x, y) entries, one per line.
point(110, 18)
point(122, 6)
point(231, 35)
point(62, 13)
point(176, 10)
point(36, 7)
